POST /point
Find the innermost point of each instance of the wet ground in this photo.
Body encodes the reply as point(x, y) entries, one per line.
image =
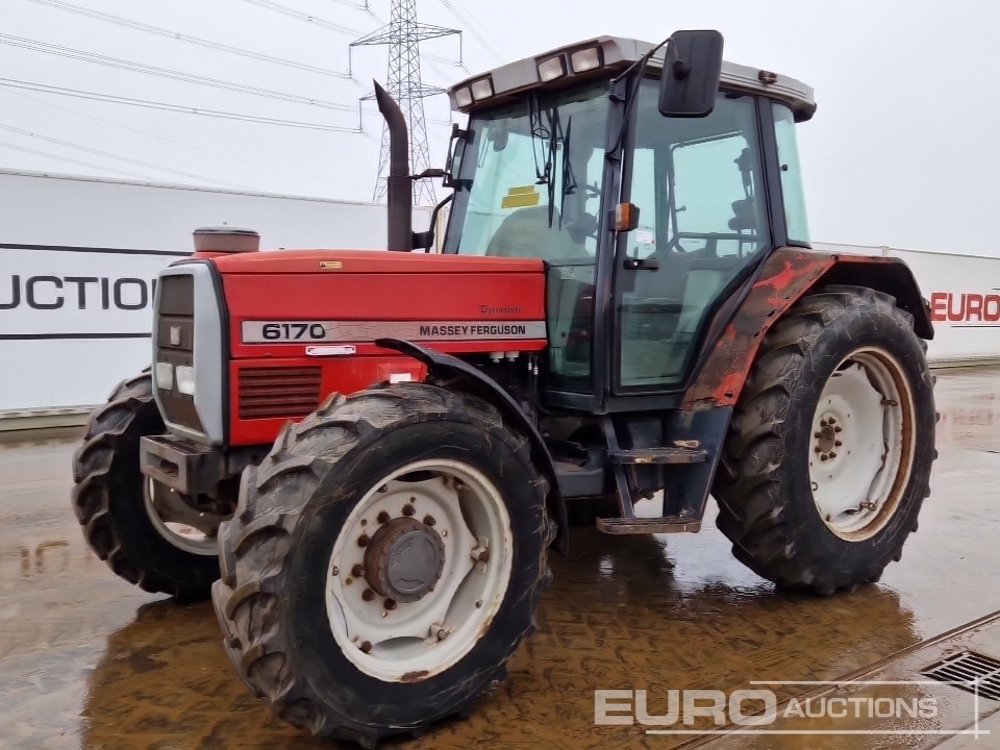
point(87, 661)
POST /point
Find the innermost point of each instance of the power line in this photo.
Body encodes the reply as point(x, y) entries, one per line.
point(47, 155)
point(160, 137)
point(308, 17)
point(149, 29)
point(110, 155)
point(130, 65)
point(169, 107)
point(472, 30)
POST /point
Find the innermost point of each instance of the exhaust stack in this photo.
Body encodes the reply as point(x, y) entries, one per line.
point(400, 186)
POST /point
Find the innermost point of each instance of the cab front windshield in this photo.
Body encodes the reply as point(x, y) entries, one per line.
point(529, 178)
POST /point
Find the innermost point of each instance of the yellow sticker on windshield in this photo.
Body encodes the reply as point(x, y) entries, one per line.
point(520, 197)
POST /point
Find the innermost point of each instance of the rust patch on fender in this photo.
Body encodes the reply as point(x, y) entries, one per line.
point(786, 275)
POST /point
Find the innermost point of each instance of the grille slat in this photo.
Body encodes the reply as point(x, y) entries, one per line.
point(267, 393)
point(969, 671)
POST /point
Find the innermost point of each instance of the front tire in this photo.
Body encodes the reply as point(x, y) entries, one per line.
point(112, 501)
point(384, 562)
point(831, 444)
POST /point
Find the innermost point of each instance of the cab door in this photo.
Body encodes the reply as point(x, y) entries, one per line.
point(698, 184)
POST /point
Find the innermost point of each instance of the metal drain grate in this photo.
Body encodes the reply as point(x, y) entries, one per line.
point(965, 670)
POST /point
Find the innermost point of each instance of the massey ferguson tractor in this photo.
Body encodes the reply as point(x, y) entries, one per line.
point(366, 456)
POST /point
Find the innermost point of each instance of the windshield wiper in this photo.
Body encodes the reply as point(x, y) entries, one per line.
point(552, 136)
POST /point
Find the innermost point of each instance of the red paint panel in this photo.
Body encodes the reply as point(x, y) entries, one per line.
point(786, 276)
point(390, 297)
point(345, 375)
point(369, 261)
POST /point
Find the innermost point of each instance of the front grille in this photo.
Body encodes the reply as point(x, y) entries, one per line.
point(275, 392)
point(971, 672)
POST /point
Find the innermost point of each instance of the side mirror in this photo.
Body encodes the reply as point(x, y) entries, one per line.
point(691, 72)
point(456, 149)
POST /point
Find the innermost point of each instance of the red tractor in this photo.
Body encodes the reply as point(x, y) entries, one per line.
point(626, 307)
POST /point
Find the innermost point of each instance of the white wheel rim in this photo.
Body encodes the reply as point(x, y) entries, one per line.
point(180, 535)
point(411, 641)
point(861, 444)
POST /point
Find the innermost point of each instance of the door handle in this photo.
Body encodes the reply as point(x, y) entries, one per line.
point(642, 264)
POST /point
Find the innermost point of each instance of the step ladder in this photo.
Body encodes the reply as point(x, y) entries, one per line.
point(619, 458)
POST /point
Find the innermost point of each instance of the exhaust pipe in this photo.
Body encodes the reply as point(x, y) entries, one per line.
point(400, 186)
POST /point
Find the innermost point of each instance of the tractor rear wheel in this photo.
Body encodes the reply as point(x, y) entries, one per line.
point(384, 562)
point(120, 509)
point(830, 449)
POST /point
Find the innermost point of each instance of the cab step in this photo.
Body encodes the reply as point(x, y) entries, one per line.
point(669, 525)
point(662, 455)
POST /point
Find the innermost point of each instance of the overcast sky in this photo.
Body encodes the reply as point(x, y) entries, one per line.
point(902, 150)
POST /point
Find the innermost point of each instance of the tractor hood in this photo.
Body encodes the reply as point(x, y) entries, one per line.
point(331, 262)
point(288, 303)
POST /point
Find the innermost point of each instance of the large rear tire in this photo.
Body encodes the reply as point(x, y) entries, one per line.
point(384, 562)
point(112, 501)
point(829, 455)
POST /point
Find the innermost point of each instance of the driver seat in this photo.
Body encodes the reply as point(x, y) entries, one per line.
point(526, 233)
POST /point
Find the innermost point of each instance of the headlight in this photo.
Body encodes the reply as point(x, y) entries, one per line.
point(482, 89)
point(552, 68)
point(185, 380)
point(463, 97)
point(586, 59)
point(164, 376)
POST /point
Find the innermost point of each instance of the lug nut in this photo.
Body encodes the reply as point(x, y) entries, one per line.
point(366, 647)
point(817, 434)
point(357, 571)
point(389, 604)
point(823, 457)
point(833, 454)
point(363, 540)
point(817, 449)
point(409, 510)
point(833, 420)
point(368, 595)
point(838, 429)
point(442, 634)
point(429, 521)
point(837, 443)
point(383, 517)
point(484, 556)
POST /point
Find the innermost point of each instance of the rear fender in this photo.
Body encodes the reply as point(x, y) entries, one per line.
point(460, 375)
point(786, 276)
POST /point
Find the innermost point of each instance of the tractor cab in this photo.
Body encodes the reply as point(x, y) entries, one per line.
point(645, 220)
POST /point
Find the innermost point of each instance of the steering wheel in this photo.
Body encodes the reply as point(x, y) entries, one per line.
point(710, 238)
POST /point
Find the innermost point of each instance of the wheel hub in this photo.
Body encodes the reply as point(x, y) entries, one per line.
point(828, 437)
point(404, 560)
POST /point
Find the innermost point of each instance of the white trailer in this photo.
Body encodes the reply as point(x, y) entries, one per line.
point(78, 261)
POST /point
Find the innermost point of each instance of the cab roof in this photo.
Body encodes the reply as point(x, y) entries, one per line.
point(616, 54)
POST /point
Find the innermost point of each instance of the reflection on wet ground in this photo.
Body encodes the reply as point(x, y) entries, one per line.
point(86, 661)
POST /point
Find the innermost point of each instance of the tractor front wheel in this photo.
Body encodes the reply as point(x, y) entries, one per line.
point(829, 456)
point(384, 562)
point(126, 517)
